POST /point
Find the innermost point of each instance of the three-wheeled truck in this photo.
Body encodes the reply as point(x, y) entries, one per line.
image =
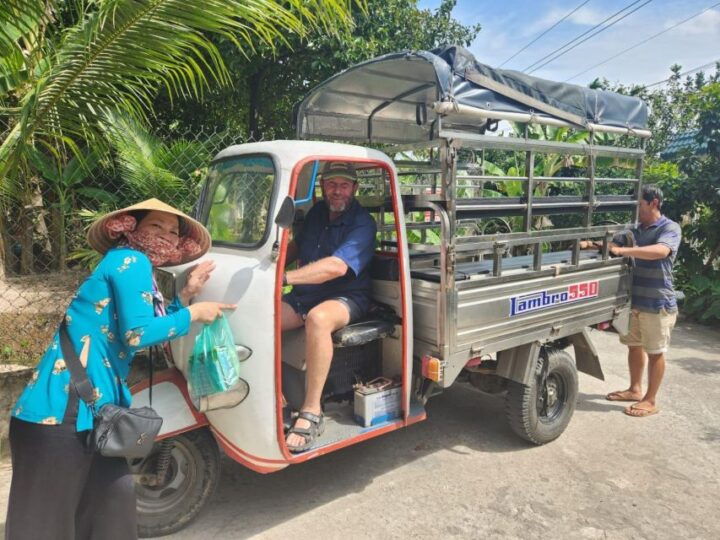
point(478, 276)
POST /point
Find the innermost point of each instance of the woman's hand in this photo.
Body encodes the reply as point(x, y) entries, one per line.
point(207, 312)
point(197, 277)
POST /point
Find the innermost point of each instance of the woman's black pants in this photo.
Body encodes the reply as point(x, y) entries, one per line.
point(61, 491)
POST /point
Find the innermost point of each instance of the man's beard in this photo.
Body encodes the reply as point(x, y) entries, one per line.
point(337, 208)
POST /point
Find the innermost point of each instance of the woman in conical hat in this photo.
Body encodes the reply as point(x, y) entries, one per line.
point(57, 485)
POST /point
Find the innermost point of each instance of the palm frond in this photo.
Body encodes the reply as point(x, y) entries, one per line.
point(117, 56)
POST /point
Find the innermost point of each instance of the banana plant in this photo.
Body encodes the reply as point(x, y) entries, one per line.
point(63, 65)
point(66, 184)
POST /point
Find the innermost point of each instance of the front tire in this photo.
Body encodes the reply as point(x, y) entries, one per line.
point(539, 413)
point(193, 470)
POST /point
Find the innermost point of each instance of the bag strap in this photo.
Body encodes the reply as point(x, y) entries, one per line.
point(78, 374)
point(151, 360)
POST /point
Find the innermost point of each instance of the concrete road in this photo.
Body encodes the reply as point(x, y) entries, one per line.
point(463, 473)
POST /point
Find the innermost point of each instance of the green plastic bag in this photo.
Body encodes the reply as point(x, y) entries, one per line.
point(214, 366)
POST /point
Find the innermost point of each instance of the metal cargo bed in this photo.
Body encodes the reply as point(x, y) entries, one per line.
point(484, 322)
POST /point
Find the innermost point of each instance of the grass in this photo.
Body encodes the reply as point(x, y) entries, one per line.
point(25, 336)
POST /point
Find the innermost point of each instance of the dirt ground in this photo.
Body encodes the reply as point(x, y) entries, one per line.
point(463, 473)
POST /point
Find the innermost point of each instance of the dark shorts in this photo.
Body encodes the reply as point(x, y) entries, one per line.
point(302, 306)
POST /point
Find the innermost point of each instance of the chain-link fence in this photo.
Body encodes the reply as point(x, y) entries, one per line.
point(43, 252)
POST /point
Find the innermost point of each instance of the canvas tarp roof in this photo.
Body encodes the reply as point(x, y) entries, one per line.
point(391, 98)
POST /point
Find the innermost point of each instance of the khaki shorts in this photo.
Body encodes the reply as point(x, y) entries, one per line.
point(651, 331)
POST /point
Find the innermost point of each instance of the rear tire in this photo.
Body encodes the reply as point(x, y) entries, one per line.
point(539, 413)
point(192, 476)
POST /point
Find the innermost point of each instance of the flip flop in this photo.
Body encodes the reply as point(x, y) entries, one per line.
point(639, 412)
point(612, 396)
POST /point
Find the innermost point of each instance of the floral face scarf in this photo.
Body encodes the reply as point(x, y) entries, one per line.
point(159, 251)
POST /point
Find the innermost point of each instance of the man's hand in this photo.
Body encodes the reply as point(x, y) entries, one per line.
point(197, 277)
point(589, 244)
point(618, 251)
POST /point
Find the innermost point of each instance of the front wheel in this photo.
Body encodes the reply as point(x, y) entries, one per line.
point(175, 481)
point(539, 413)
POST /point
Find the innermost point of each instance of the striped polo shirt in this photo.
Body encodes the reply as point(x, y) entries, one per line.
point(652, 286)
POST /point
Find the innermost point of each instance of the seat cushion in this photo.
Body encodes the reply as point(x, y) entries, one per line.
point(363, 331)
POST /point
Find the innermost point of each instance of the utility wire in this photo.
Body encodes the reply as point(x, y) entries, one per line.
point(545, 32)
point(590, 36)
point(688, 72)
point(643, 41)
point(534, 64)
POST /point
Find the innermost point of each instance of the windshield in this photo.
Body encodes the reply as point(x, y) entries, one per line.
point(237, 200)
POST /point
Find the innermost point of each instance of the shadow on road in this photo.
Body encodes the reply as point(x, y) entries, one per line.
point(461, 421)
point(698, 366)
point(598, 403)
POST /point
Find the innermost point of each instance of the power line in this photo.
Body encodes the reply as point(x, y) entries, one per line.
point(642, 42)
point(591, 36)
point(545, 32)
point(688, 72)
point(534, 64)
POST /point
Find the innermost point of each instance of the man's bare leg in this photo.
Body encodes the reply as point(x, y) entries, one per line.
point(289, 318)
point(656, 372)
point(636, 365)
point(320, 323)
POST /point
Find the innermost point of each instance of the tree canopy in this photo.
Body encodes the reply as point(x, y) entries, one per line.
point(267, 83)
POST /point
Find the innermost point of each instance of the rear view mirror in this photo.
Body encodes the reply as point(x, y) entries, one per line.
point(286, 214)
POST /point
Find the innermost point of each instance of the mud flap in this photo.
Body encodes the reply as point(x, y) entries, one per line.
point(518, 364)
point(621, 322)
point(586, 357)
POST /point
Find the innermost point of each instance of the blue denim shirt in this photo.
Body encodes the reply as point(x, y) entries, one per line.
point(351, 238)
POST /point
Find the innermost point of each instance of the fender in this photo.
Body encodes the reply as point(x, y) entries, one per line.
point(171, 401)
point(518, 364)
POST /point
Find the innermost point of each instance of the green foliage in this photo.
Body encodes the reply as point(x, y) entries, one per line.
point(116, 54)
point(692, 191)
point(268, 83)
point(152, 168)
point(671, 106)
point(64, 65)
point(704, 297)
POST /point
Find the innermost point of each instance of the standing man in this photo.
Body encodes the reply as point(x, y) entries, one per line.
point(654, 308)
point(331, 286)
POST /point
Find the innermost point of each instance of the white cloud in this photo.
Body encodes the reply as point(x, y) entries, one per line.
point(691, 44)
point(707, 23)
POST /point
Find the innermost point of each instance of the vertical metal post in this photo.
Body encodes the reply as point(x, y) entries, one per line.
point(448, 167)
point(537, 256)
point(590, 188)
point(638, 174)
point(529, 189)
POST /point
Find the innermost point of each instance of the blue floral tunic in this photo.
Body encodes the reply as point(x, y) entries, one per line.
point(113, 308)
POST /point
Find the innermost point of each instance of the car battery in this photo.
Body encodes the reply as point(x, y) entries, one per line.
point(377, 401)
point(351, 365)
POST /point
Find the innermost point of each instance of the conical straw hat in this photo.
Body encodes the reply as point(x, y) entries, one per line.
point(100, 241)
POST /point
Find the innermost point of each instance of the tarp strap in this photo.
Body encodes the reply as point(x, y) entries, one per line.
point(520, 97)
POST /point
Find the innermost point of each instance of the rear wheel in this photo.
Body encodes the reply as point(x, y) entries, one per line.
point(175, 481)
point(539, 413)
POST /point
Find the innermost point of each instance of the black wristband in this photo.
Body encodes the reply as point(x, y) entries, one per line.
point(284, 280)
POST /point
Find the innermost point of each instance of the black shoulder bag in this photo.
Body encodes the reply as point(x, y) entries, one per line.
point(118, 431)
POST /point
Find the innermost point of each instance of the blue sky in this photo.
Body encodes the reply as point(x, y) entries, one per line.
point(509, 25)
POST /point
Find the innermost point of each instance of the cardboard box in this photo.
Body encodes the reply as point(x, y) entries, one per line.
point(375, 405)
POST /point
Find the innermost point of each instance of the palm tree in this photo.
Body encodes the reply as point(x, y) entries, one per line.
point(64, 64)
